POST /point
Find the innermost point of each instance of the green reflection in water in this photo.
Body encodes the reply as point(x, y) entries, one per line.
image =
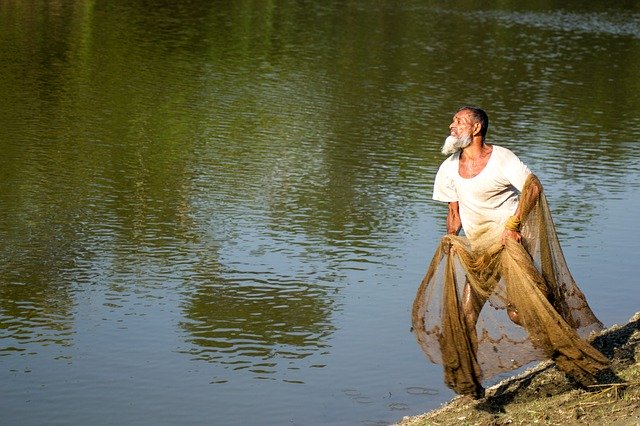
point(245, 162)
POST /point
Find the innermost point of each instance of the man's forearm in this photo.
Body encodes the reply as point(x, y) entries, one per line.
point(454, 224)
point(528, 198)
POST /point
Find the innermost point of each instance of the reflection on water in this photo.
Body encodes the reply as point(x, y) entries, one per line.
point(609, 22)
point(223, 211)
point(257, 325)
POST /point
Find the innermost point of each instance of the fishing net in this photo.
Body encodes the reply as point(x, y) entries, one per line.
point(485, 307)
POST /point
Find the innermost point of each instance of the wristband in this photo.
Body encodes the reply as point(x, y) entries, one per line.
point(513, 224)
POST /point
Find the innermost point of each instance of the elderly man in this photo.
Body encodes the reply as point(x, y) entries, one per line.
point(509, 260)
point(481, 182)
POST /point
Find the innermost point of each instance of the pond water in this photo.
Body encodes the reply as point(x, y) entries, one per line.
point(219, 212)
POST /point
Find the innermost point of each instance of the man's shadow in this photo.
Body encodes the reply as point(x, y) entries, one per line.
point(618, 344)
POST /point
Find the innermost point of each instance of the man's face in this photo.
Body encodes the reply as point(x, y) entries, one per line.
point(462, 124)
point(461, 129)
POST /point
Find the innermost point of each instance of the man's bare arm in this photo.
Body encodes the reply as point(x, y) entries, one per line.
point(454, 224)
point(529, 196)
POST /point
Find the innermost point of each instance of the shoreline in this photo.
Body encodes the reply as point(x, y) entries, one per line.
point(534, 395)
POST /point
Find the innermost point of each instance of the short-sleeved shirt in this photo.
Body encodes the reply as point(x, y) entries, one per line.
point(487, 200)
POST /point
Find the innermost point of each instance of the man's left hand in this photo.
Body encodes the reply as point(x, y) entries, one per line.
point(515, 235)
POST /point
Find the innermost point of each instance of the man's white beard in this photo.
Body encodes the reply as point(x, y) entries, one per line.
point(453, 144)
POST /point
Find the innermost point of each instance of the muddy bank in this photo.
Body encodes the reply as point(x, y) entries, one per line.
point(545, 395)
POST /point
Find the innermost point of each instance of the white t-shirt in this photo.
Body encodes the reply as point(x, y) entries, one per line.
point(487, 200)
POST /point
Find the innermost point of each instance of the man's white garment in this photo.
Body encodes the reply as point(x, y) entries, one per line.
point(487, 200)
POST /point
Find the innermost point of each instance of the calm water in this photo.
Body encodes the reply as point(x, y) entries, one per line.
point(219, 212)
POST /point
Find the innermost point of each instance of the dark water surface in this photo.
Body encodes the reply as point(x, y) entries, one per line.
point(219, 212)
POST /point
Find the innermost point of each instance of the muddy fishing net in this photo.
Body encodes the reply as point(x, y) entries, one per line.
point(485, 308)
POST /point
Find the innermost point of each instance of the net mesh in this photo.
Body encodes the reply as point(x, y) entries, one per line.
point(520, 299)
